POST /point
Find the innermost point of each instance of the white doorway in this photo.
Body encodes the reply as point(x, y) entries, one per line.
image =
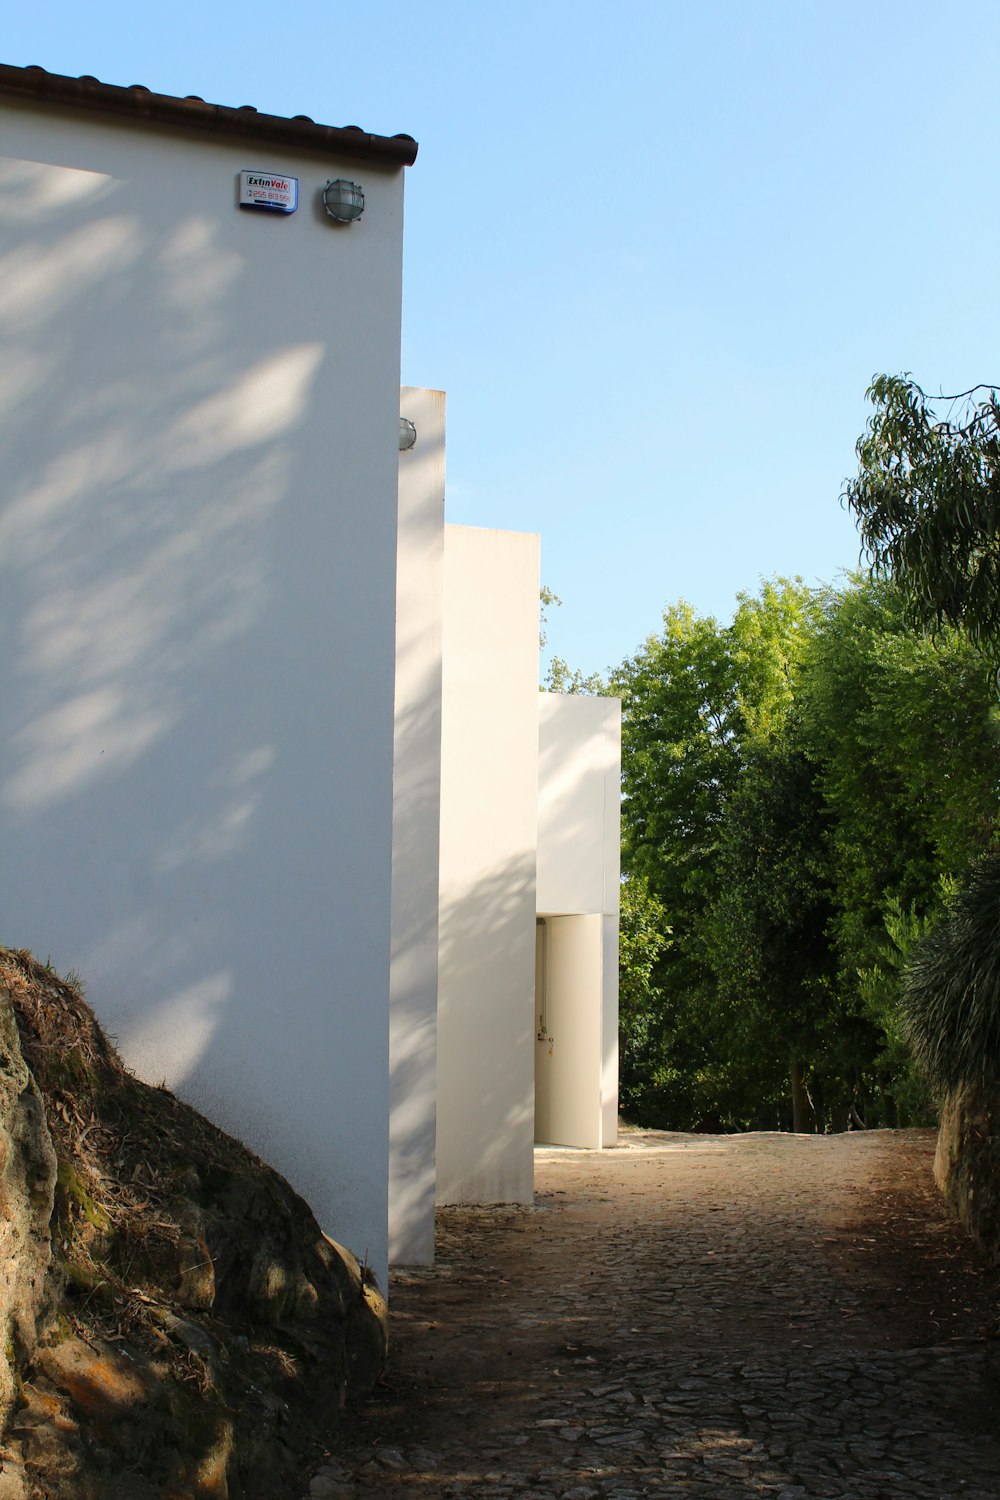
point(568, 1030)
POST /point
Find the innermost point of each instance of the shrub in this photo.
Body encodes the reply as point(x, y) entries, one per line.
point(951, 991)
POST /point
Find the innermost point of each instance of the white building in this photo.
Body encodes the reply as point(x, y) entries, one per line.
point(507, 1033)
point(578, 875)
point(270, 734)
point(199, 407)
point(489, 822)
point(416, 833)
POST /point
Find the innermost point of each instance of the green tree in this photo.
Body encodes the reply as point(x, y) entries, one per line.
point(562, 678)
point(547, 599)
point(768, 642)
point(881, 989)
point(644, 933)
point(692, 698)
point(768, 937)
point(696, 698)
point(927, 502)
point(680, 712)
point(902, 730)
point(797, 785)
point(678, 707)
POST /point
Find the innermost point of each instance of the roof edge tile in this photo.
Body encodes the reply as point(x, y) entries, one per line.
point(138, 103)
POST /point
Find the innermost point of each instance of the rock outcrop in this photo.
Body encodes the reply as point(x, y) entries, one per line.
point(175, 1323)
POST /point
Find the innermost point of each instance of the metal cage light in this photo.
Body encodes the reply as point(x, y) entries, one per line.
point(407, 434)
point(343, 200)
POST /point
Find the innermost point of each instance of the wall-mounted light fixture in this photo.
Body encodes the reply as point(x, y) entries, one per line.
point(343, 200)
point(407, 434)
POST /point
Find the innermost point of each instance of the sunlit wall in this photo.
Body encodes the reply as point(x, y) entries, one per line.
point(199, 416)
point(576, 989)
point(416, 821)
point(489, 792)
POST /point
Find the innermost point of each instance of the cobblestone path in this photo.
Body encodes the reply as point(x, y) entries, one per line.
point(716, 1317)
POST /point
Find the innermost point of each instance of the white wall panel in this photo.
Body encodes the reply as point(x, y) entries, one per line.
point(199, 409)
point(489, 778)
point(416, 825)
point(579, 796)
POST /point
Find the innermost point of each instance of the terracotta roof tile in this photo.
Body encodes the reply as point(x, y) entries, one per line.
point(138, 104)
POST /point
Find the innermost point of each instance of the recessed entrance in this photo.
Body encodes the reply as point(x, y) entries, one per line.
point(568, 1001)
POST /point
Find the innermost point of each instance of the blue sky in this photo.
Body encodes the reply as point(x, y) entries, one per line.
point(654, 252)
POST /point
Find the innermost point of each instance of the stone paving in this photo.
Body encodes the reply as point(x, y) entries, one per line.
point(714, 1317)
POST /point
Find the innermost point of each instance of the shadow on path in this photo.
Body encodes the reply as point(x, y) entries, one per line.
point(713, 1316)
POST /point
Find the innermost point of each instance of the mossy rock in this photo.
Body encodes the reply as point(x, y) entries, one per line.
point(197, 1333)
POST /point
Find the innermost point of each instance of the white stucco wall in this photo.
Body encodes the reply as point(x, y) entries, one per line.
point(579, 799)
point(489, 778)
point(416, 824)
point(199, 415)
point(579, 793)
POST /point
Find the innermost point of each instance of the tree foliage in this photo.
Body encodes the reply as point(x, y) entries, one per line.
point(883, 1000)
point(547, 599)
point(560, 677)
point(806, 789)
point(796, 787)
point(699, 700)
point(927, 502)
point(644, 934)
point(902, 731)
point(767, 930)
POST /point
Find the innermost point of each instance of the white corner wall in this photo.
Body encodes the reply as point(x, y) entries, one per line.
point(416, 827)
point(489, 789)
point(199, 413)
point(576, 1010)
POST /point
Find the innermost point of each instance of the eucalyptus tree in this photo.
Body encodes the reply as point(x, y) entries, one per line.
point(927, 502)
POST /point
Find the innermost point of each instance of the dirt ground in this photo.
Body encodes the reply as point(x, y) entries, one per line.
point(713, 1316)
